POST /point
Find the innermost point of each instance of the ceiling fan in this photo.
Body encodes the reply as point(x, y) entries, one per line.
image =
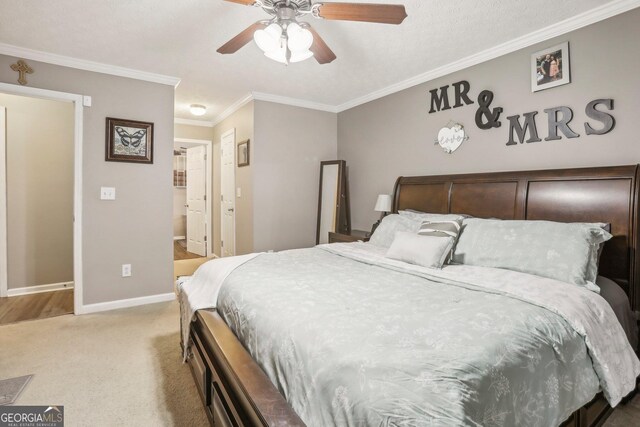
point(284, 39)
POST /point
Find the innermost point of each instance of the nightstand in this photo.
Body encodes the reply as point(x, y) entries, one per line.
point(353, 236)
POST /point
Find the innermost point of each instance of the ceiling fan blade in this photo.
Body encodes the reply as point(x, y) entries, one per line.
point(365, 12)
point(233, 45)
point(245, 2)
point(321, 51)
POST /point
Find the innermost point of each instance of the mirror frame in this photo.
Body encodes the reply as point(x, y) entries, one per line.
point(343, 222)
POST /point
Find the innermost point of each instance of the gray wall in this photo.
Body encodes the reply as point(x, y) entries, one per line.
point(289, 144)
point(395, 135)
point(39, 191)
point(136, 228)
point(243, 122)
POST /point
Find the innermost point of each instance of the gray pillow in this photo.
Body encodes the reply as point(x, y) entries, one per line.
point(442, 228)
point(427, 251)
point(561, 251)
point(390, 225)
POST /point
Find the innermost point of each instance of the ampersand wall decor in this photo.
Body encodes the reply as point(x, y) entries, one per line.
point(484, 101)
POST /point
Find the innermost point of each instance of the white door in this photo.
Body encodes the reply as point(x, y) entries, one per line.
point(227, 187)
point(196, 200)
point(3, 203)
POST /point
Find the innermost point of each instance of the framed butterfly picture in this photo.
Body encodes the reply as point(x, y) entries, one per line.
point(129, 141)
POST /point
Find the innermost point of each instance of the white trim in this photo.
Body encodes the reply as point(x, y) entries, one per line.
point(4, 280)
point(233, 108)
point(51, 287)
point(83, 64)
point(209, 184)
point(191, 122)
point(124, 303)
point(179, 237)
point(259, 96)
point(589, 17)
point(77, 175)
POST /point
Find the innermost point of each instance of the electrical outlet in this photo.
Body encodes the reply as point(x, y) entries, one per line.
point(126, 270)
point(107, 193)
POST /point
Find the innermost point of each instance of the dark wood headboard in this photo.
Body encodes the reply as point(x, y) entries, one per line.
point(604, 194)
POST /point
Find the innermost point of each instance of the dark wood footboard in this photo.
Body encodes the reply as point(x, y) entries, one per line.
point(233, 388)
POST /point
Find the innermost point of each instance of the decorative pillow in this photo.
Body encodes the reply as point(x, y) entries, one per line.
point(561, 251)
point(390, 225)
point(427, 251)
point(442, 228)
point(424, 216)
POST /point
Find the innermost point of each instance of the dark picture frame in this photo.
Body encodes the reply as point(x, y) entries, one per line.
point(243, 153)
point(129, 141)
point(550, 67)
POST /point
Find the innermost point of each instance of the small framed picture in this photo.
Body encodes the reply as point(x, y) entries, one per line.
point(129, 141)
point(550, 67)
point(243, 153)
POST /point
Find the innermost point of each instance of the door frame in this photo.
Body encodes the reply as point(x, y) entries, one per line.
point(77, 101)
point(209, 190)
point(231, 131)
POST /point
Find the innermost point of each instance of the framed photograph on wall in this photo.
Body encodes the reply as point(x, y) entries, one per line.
point(243, 153)
point(129, 141)
point(550, 67)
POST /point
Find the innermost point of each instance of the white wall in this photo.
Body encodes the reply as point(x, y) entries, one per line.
point(394, 136)
point(136, 228)
point(290, 143)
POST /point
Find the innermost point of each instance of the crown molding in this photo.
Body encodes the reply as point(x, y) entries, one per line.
point(192, 122)
point(232, 108)
point(295, 102)
point(589, 17)
point(82, 64)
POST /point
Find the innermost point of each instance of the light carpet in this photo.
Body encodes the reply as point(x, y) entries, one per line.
point(118, 368)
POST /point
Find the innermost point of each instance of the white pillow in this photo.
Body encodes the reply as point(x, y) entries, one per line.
point(390, 225)
point(426, 251)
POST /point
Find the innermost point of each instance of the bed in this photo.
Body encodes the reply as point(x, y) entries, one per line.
point(240, 389)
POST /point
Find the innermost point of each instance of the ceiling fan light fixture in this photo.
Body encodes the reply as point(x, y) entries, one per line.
point(299, 56)
point(279, 54)
point(197, 109)
point(300, 39)
point(269, 38)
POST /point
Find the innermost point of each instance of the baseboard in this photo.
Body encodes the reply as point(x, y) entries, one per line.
point(179, 237)
point(124, 303)
point(39, 289)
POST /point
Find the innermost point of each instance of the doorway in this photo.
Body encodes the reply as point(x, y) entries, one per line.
point(192, 179)
point(37, 220)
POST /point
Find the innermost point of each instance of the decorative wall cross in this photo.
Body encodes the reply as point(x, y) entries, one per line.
point(22, 69)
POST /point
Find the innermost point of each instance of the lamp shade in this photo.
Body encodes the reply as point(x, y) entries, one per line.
point(383, 204)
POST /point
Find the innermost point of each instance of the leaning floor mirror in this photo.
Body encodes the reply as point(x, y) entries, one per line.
point(333, 201)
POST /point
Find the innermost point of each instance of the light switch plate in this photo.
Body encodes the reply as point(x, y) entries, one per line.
point(107, 193)
point(238, 192)
point(86, 101)
point(126, 270)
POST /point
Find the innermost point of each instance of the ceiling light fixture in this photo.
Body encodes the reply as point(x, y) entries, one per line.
point(197, 109)
point(284, 39)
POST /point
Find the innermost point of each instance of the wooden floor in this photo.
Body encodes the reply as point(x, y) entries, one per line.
point(180, 252)
point(36, 306)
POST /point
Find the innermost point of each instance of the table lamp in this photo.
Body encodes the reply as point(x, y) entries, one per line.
point(383, 204)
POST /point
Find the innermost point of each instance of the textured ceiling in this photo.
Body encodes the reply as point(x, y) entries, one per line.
point(180, 38)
